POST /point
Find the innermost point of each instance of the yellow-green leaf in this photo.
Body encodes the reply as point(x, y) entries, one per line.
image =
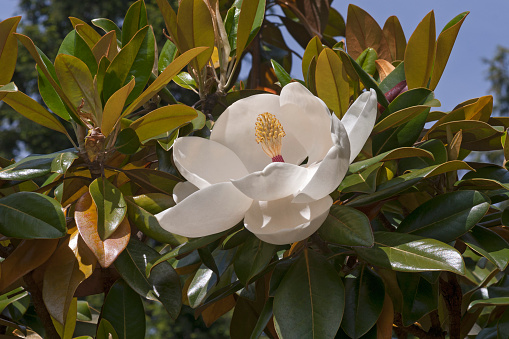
point(8, 48)
point(78, 84)
point(163, 79)
point(86, 32)
point(332, 82)
point(250, 19)
point(162, 120)
point(395, 38)
point(106, 46)
point(170, 18)
point(4, 90)
point(313, 49)
point(420, 53)
point(445, 42)
point(399, 118)
point(194, 29)
point(113, 108)
point(32, 110)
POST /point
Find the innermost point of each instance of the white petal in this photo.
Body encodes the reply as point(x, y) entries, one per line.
point(182, 190)
point(276, 181)
point(213, 209)
point(308, 118)
point(325, 176)
point(359, 121)
point(283, 222)
point(204, 162)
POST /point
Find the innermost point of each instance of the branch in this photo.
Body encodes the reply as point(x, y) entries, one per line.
point(451, 291)
point(412, 329)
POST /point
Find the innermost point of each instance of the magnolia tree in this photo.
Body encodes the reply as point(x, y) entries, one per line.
point(327, 205)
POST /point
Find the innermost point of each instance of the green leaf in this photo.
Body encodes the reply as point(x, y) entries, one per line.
point(313, 50)
point(185, 80)
point(332, 82)
point(398, 118)
point(367, 60)
point(420, 53)
point(123, 309)
point(282, 75)
point(31, 109)
point(347, 226)
point(419, 297)
point(145, 220)
point(364, 182)
point(195, 29)
point(364, 299)
point(107, 25)
point(163, 285)
point(411, 253)
point(127, 141)
point(394, 78)
point(74, 45)
point(250, 20)
point(135, 19)
point(152, 180)
point(445, 43)
point(398, 153)
point(105, 330)
point(162, 120)
point(33, 166)
point(310, 299)
point(252, 257)
point(111, 206)
point(8, 48)
point(446, 216)
point(61, 163)
point(29, 215)
point(489, 244)
point(502, 301)
point(413, 97)
point(78, 84)
point(167, 55)
point(231, 24)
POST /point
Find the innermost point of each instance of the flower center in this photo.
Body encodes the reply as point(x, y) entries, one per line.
point(269, 132)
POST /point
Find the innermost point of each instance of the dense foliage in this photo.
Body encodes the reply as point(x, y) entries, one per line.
point(406, 248)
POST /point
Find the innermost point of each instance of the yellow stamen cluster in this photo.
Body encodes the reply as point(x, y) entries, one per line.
point(269, 132)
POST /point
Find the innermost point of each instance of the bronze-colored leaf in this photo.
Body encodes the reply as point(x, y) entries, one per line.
point(217, 309)
point(384, 68)
point(71, 264)
point(86, 219)
point(362, 31)
point(395, 37)
point(8, 48)
point(106, 46)
point(29, 255)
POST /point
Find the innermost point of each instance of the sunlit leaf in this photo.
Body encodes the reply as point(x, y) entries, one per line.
point(111, 206)
point(332, 82)
point(8, 48)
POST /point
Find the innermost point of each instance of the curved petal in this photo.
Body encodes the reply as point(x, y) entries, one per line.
point(283, 222)
point(359, 121)
point(308, 118)
point(325, 176)
point(213, 209)
point(204, 162)
point(235, 129)
point(182, 190)
point(276, 181)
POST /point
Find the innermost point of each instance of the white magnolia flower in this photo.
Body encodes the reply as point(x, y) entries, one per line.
point(272, 161)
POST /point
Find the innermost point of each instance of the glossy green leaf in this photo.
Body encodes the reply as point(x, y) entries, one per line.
point(28, 215)
point(152, 180)
point(419, 297)
point(398, 118)
point(310, 299)
point(163, 79)
point(135, 19)
point(78, 84)
point(145, 221)
point(332, 82)
point(61, 163)
point(123, 309)
point(435, 147)
point(107, 26)
point(167, 55)
point(364, 182)
point(74, 45)
point(111, 206)
point(195, 29)
point(413, 97)
point(420, 53)
point(445, 43)
point(250, 20)
point(162, 120)
point(394, 78)
point(489, 244)
point(105, 330)
point(113, 108)
point(476, 135)
point(31, 109)
point(163, 285)
point(407, 180)
point(48, 93)
point(282, 75)
point(30, 167)
point(502, 301)
point(399, 153)
point(367, 60)
point(185, 80)
point(8, 48)
point(446, 216)
point(411, 253)
point(313, 50)
point(347, 226)
point(127, 141)
point(364, 299)
point(252, 257)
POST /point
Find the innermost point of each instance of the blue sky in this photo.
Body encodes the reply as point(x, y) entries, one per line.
point(465, 76)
